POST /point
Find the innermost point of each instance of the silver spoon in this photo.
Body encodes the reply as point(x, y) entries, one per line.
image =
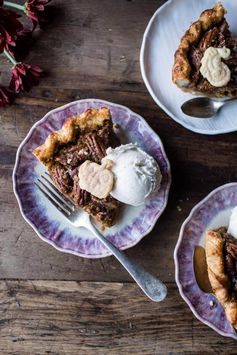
point(203, 107)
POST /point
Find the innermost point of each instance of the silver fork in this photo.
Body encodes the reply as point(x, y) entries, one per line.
point(150, 285)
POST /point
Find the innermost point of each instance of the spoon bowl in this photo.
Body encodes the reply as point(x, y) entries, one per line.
point(203, 107)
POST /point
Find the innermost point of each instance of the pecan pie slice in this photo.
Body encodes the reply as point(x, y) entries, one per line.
point(221, 254)
point(206, 60)
point(84, 137)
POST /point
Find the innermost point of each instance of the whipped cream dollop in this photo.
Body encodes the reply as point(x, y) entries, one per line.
point(232, 229)
point(137, 174)
point(213, 69)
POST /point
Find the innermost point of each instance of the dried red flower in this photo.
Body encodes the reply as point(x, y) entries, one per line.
point(10, 26)
point(35, 9)
point(6, 96)
point(24, 76)
point(23, 43)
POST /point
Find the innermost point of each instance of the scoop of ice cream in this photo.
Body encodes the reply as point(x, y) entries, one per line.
point(137, 174)
point(233, 223)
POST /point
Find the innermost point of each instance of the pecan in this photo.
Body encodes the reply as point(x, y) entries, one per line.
point(103, 209)
point(231, 62)
point(73, 155)
point(61, 178)
point(209, 39)
point(95, 147)
point(196, 57)
point(222, 40)
point(74, 172)
point(81, 197)
point(104, 134)
point(107, 135)
point(224, 35)
point(230, 259)
point(205, 86)
point(229, 264)
point(223, 28)
point(231, 249)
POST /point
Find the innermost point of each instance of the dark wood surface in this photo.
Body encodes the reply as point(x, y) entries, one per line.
point(68, 317)
point(55, 303)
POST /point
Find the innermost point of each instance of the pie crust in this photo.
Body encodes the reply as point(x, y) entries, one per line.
point(218, 277)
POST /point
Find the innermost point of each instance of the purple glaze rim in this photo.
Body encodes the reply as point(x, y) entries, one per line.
point(61, 108)
point(177, 262)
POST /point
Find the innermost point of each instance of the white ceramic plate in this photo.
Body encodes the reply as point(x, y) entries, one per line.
point(161, 39)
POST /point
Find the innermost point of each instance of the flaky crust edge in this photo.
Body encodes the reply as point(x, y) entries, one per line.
point(216, 273)
point(89, 119)
point(182, 68)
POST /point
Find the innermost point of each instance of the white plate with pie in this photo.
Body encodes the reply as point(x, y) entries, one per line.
point(160, 41)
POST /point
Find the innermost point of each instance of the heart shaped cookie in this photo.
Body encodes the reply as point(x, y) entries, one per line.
point(96, 179)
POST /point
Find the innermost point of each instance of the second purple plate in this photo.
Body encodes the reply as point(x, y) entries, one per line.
point(211, 213)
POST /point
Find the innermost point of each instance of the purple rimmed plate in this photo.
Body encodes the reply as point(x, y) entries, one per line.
point(212, 212)
point(134, 222)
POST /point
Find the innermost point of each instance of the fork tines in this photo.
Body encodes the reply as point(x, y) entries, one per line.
point(63, 204)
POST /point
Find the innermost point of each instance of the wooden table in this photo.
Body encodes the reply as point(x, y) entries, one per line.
point(55, 303)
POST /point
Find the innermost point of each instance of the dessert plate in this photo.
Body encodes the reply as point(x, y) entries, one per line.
point(160, 41)
point(134, 222)
point(212, 212)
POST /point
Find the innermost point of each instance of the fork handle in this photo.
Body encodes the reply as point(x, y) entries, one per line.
point(149, 284)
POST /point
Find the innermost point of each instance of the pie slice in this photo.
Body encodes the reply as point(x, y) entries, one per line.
point(199, 64)
point(221, 254)
point(82, 138)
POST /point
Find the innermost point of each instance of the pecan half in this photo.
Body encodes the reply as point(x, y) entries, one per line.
point(209, 39)
point(81, 197)
point(95, 147)
point(61, 178)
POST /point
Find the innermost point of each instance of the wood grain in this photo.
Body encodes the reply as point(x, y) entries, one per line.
point(93, 53)
point(56, 317)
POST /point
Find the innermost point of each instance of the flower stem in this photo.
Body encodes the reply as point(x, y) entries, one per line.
point(8, 55)
point(14, 5)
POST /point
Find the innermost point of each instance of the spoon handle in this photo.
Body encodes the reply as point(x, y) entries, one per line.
point(219, 103)
point(230, 99)
point(149, 284)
